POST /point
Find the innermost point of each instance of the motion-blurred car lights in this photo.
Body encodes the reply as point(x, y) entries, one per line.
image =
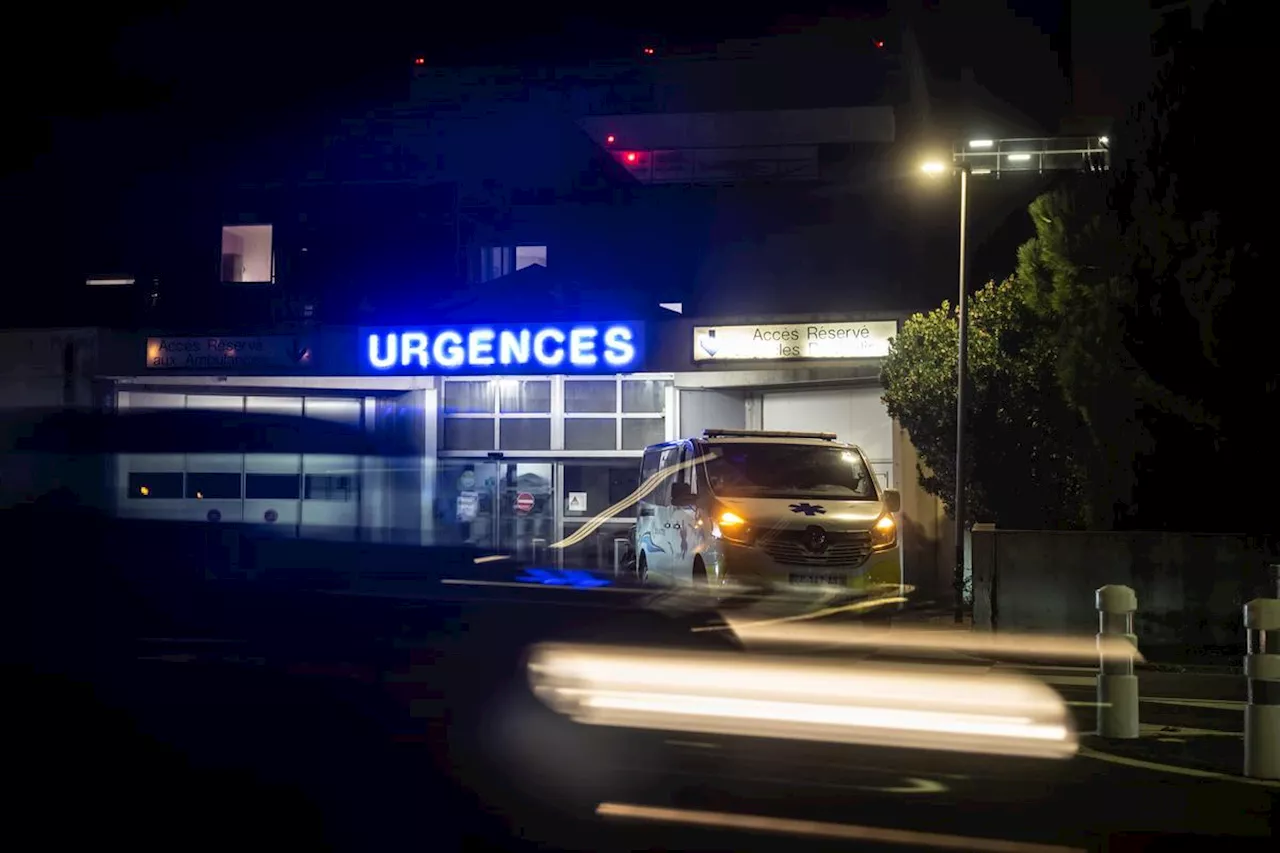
point(915, 707)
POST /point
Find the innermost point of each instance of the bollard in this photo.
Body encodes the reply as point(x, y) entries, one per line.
point(1117, 684)
point(620, 544)
point(1262, 668)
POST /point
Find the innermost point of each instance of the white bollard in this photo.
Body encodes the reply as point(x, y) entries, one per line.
point(1262, 668)
point(1117, 684)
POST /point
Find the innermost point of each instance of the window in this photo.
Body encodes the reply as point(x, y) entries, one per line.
point(247, 254)
point(155, 486)
point(468, 397)
point(275, 487)
point(789, 471)
point(329, 487)
point(528, 256)
point(648, 396)
point(649, 466)
point(505, 413)
point(637, 434)
point(661, 494)
point(603, 483)
point(689, 473)
point(591, 395)
point(467, 434)
point(213, 486)
point(590, 434)
point(635, 408)
point(569, 413)
point(497, 261)
point(525, 434)
point(524, 396)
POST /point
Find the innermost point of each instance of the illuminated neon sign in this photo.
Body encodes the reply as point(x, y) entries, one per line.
point(536, 348)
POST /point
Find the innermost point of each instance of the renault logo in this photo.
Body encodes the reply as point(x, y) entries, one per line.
point(815, 539)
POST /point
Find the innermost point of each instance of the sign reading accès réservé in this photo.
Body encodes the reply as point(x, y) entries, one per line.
point(814, 340)
point(272, 352)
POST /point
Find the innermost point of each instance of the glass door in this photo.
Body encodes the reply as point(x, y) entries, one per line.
point(589, 488)
point(499, 507)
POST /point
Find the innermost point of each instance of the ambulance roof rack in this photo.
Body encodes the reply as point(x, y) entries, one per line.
point(765, 433)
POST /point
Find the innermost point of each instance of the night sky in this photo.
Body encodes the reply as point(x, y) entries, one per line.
point(220, 69)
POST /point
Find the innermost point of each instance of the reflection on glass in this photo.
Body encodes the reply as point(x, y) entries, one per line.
point(524, 396)
point(271, 486)
point(155, 485)
point(526, 433)
point(590, 434)
point(590, 396)
point(639, 433)
point(787, 471)
point(644, 396)
point(205, 486)
point(467, 433)
point(468, 396)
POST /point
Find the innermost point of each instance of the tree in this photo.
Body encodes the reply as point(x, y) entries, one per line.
point(1021, 471)
point(1155, 281)
point(1076, 276)
point(1130, 338)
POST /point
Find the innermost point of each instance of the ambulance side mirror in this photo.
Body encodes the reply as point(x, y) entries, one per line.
point(893, 500)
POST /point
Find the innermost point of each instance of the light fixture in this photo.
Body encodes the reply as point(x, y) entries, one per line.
point(1019, 158)
point(981, 143)
point(933, 167)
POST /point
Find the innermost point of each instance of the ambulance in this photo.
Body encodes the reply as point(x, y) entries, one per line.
point(771, 510)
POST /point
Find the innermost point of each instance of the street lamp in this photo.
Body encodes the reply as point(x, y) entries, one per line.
point(937, 167)
point(997, 157)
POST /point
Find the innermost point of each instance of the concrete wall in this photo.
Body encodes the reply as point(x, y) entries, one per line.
point(1190, 587)
point(928, 537)
point(709, 409)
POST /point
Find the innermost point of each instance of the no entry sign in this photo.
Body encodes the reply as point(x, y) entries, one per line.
point(524, 502)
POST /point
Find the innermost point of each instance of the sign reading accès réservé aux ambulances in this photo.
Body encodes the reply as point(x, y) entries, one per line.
point(815, 340)
point(264, 353)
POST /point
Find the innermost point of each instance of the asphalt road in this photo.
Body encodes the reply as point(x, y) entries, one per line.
point(380, 724)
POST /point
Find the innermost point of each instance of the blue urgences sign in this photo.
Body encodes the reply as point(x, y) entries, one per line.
point(508, 348)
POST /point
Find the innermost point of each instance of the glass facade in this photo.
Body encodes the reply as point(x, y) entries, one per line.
point(527, 462)
point(294, 494)
point(564, 415)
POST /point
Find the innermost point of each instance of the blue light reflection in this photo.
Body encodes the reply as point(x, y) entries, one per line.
point(574, 578)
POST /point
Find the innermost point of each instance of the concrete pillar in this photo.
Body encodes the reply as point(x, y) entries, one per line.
point(1262, 668)
point(1117, 683)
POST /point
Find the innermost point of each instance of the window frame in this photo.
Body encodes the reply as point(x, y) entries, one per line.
point(558, 416)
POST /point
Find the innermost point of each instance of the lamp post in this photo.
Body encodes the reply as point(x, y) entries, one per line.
point(997, 158)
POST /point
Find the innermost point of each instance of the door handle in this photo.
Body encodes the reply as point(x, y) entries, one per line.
point(646, 512)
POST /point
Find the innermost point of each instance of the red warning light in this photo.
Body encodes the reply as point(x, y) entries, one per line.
point(879, 43)
point(421, 60)
point(610, 139)
point(648, 51)
point(631, 156)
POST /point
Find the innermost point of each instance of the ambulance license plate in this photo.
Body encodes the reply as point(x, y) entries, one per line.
point(819, 580)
